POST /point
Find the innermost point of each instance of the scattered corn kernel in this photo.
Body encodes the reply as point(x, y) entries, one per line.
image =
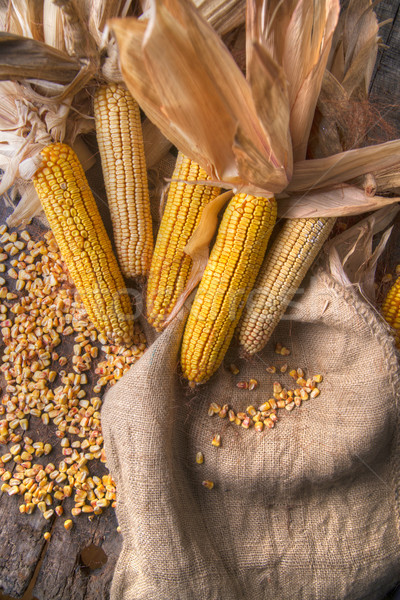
point(208, 484)
point(216, 441)
point(199, 458)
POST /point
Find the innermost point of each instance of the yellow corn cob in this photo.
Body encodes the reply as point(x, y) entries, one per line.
point(71, 210)
point(391, 309)
point(120, 140)
point(227, 281)
point(287, 262)
point(170, 266)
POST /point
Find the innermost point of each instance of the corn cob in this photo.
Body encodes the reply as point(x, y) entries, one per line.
point(227, 281)
point(291, 255)
point(170, 267)
point(391, 309)
point(71, 210)
point(120, 140)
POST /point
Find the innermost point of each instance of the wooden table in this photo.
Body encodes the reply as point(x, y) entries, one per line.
point(61, 569)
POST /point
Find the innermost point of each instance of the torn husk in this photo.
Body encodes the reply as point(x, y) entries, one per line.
point(342, 201)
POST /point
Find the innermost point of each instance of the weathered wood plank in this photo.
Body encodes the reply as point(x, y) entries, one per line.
point(385, 83)
point(21, 542)
point(63, 574)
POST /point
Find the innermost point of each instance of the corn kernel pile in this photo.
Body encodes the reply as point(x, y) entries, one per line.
point(40, 312)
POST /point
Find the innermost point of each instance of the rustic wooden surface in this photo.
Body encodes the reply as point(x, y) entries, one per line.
point(385, 83)
point(64, 572)
point(30, 567)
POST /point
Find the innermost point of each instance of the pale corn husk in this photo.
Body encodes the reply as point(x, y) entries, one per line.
point(234, 138)
point(66, 39)
point(53, 25)
point(385, 180)
point(230, 115)
point(24, 18)
point(78, 40)
point(273, 47)
point(350, 256)
point(56, 110)
point(354, 50)
point(223, 15)
point(333, 170)
point(99, 13)
point(343, 201)
point(3, 14)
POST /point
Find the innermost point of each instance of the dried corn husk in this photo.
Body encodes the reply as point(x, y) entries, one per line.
point(345, 200)
point(350, 255)
point(24, 18)
point(45, 112)
point(288, 46)
point(223, 15)
point(24, 58)
point(36, 42)
point(53, 25)
point(333, 170)
point(66, 40)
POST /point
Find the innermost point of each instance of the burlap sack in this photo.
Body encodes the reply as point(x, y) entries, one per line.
point(308, 510)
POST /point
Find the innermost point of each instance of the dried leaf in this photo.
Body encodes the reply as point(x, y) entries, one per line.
point(78, 40)
point(360, 44)
point(223, 15)
point(325, 138)
point(185, 62)
point(307, 47)
point(338, 202)
point(100, 12)
point(23, 58)
point(130, 34)
point(267, 25)
point(350, 255)
point(29, 206)
point(360, 71)
point(53, 26)
point(387, 179)
point(257, 176)
point(25, 18)
point(270, 89)
point(336, 169)
point(3, 14)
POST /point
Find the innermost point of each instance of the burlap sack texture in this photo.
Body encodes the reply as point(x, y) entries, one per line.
point(308, 510)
